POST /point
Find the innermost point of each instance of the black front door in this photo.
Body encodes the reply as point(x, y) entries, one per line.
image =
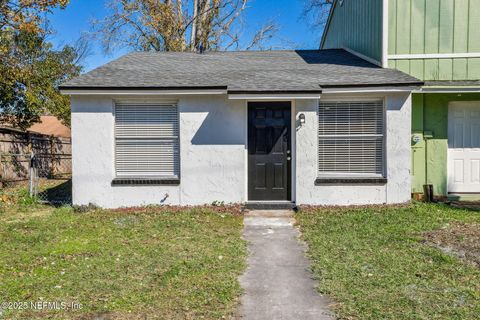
point(269, 152)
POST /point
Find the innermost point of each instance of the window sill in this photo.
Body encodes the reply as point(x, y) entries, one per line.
point(145, 181)
point(326, 181)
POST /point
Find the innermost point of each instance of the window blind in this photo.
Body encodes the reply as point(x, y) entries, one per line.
point(351, 138)
point(147, 140)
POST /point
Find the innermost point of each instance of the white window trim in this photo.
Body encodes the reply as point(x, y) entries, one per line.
point(409, 56)
point(346, 175)
point(147, 101)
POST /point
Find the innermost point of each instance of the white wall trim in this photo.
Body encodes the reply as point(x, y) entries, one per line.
point(434, 56)
point(385, 30)
point(274, 97)
point(246, 152)
point(293, 152)
point(362, 56)
point(73, 92)
point(370, 90)
point(448, 90)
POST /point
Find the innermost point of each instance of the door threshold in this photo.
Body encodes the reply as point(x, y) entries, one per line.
point(457, 196)
point(270, 205)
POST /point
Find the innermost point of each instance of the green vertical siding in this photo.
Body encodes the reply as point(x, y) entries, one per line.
point(439, 69)
point(474, 26)
point(356, 25)
point(429, 162)
point(460, 44)
point(435, 26)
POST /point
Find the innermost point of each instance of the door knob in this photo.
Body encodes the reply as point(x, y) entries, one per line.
point(288, 158)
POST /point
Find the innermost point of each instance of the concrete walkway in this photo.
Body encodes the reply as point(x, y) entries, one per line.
point(277, 282)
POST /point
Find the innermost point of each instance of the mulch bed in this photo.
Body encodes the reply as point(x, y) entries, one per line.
point(461, 240)
point(234, 209)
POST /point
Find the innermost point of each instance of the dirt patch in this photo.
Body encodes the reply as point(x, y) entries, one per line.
point(23, 216)
point(461, 240)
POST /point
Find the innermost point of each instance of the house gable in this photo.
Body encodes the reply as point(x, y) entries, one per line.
point(356, 25)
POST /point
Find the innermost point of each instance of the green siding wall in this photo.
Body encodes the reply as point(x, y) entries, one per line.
point(430, 114)
point(439, 69)
point(435, 26)
point(356, 25)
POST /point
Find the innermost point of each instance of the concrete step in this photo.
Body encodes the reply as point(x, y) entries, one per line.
point(270, 205)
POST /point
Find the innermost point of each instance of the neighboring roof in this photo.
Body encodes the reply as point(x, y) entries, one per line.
point(240, 71)
point(50, 126)
point(453, 83)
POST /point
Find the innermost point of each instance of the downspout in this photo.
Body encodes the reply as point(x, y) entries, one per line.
point(427, 188)
point(426, 141)
point(426, 159)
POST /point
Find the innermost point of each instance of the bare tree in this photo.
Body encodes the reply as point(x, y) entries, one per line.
point(316, 11)
point(263, 34)
point(176, 25)
point(83, 49)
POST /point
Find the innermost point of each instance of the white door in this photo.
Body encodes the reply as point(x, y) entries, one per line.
point(464, 147)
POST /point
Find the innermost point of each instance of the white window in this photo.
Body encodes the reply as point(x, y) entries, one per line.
point(147, 140)
point(351, 139)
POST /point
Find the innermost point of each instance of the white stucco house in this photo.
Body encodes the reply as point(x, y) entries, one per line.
point(273, 128)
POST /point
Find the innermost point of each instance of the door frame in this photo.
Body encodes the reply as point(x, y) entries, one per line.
point(450, 133)
point(293, 145)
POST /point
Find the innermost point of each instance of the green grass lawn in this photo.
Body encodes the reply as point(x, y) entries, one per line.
point(133, 264)
point(374, 263)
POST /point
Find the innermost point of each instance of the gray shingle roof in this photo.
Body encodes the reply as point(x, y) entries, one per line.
point(241, 71)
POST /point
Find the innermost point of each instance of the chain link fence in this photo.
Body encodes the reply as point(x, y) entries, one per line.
point(41, 165)
point(50, 178)
point(46, 176)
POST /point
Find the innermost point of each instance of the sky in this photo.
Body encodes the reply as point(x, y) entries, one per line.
point(294, 31)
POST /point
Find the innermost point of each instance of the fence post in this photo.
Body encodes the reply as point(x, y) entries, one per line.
point(52, 158)
point(31, 178)
point(2, 169)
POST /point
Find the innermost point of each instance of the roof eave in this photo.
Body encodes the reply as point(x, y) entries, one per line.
point(274, 94)
point(369, 85)
point(372, 88)
point(314, 91)
point(449, 89)
point(98, 90)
